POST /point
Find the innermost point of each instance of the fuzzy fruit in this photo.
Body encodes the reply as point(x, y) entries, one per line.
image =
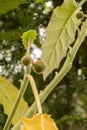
point(26, 60)
point(79, 15)
point(38, 66)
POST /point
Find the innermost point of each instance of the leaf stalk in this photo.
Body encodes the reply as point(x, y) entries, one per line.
point(35, 92)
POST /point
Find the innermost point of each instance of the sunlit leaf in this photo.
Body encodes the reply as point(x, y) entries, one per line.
point(60, 34)
point(6, 5)
point(39, 122)
point(8, 93)
point(28, 37)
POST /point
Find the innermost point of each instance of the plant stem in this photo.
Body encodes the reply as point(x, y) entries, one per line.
point(17, 101)
point(81, 3)
point(35, 92)
point(66, 67)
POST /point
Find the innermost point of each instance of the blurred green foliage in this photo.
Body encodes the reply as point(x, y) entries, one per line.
point(8, 5)
point(68, 102)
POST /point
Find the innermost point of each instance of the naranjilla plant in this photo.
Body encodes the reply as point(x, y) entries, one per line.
point(63, 39)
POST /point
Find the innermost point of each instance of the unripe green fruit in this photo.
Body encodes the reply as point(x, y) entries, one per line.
point(38, 66)
point(26, 60)
point(79, 15)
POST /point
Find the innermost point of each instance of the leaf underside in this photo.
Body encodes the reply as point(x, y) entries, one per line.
point(8, 93)
point(60, 34)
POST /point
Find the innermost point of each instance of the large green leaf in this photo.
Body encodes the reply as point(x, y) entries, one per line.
point(8, 93)
point(6, 5)
point(60, 34)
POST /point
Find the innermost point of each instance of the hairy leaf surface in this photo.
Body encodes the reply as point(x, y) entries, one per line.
point(39, 122)
point(60, 34)
point(8, 93)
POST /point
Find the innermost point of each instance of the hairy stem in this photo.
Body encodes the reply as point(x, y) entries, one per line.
point(66, 67)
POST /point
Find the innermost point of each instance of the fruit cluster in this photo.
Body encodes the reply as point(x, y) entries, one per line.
point(37, 66)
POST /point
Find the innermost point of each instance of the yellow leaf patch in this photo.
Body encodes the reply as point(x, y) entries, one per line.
point(39, 122)
point(8, 94)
